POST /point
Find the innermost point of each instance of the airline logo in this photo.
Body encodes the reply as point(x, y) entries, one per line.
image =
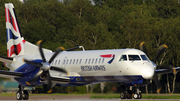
point(13, 32)
point(109, 56)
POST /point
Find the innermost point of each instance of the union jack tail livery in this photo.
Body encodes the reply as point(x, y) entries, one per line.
point(16, 45)
point(15, 41)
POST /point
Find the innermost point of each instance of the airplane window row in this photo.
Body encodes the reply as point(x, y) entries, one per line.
point(133, 58)
point(94, 61)
point(78, 61)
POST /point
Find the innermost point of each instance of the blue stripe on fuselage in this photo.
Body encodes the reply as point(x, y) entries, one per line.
point(127, 80)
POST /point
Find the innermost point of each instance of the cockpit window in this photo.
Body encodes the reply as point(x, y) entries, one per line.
point(133, 57)
point(123, 58)
point(144, 57)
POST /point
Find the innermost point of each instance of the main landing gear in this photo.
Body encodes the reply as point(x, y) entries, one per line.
point(127, 94)
point(22, 94)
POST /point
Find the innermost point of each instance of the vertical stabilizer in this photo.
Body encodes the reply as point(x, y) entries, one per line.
point(15, 40)
point(16, 45)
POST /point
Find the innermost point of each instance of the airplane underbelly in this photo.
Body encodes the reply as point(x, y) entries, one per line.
point(120, 78)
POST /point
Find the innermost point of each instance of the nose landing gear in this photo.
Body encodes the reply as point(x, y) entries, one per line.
point(137, 95)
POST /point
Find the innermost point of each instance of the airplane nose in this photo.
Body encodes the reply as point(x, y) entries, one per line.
point(147, 73)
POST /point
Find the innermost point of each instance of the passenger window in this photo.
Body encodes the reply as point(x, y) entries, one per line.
point(80, 61)
point(55, 62)
point(103, 60)
point(64, 61)
point(89, 61)
point(67, 61)
point(59, 62)
point(123, 58)
point(99, 60)
point(92, 61)
point(70, 61)
point(77, 61)
point(133, 57)
point(74, 61)
point(86, 61)
point(52, 62)
point(96, 60)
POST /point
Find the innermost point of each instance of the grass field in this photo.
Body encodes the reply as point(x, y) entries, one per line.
point(144, 96)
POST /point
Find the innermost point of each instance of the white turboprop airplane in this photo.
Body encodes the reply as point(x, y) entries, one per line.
point(32, 65)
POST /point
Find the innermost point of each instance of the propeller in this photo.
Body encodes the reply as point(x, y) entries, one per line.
point(161, 49)
point(45, 66)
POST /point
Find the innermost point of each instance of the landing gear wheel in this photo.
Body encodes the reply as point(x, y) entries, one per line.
point(140, 96)
point(26, 95)
point(19, 95)
point(123, 94)
point(137, 96)
point(129, 94)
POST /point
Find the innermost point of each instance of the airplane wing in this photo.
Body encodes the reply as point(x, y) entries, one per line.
point(62, 80)
point(165, 71)
point(9, 74)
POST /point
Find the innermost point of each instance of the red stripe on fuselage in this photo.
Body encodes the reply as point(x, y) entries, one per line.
point(107, 56)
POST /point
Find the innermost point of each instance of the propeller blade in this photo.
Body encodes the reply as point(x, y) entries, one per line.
point(142, 47)
point(165, 67)
point(35, 77)
point(161, 49)
point(41, 51)
point(171, 68)
point(58, 69)
point(157, 83)
point(60, 49)
point(32, 63)
point(49, 81)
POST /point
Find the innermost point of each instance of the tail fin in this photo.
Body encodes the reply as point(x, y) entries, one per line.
point(16, 45)
point(15, 40)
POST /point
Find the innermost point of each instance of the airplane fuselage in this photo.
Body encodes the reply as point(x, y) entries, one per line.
point(93, 66)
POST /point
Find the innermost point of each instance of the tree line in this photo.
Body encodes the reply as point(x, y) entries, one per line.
point(103, 24)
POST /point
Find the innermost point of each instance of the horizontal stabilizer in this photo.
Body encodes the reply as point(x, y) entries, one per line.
point(6, 59)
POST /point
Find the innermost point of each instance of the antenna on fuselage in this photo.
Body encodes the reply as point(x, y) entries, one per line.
point(82, 48)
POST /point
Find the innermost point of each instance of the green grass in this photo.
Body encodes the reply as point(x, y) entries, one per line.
point(105, 96)
point(7, 94)
point(161, 96)
point(144, 96)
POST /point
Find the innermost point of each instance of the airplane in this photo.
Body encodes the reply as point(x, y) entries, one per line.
point(31, 65)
